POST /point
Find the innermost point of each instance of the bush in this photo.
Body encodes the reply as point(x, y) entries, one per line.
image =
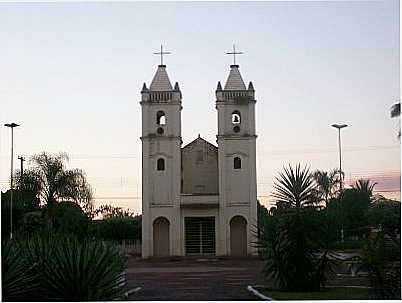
point(66, 269)
point(381, 257)
point(70, 219)
point(32, 222)
point(348, 244)
point(117, 228)
point(19, 278)
point(290, 244)
point(386, 214)
point(23, 202)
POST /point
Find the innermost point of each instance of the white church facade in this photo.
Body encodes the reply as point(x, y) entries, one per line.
point(200, 199)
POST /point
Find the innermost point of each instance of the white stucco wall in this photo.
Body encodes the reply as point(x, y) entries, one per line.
point(236, 193)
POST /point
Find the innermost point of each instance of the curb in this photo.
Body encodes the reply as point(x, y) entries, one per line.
point(131, 291)
point(347, 286)
point(258, 294)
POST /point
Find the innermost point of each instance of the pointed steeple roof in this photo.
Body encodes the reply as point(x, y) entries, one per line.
point(235, 81)
point(161, 81)
point(144, 88)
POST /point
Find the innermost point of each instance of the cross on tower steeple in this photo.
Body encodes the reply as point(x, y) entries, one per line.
point(162, 53)
point(234, 53)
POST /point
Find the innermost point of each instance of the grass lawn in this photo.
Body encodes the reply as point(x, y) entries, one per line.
point(335, 293)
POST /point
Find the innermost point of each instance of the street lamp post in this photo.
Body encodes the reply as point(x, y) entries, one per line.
point(339, 127)
point(11, 125)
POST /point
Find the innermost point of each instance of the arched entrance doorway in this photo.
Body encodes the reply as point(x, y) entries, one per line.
point(238, 236)
point(161, 237)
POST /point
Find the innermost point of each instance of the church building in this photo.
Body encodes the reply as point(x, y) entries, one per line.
point(200, 199)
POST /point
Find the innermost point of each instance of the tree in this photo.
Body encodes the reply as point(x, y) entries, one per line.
point(116, 224)
point(117, 228)
point(327, 184)
point(385, 214)
point(381, 258)
point(70, 219)
point(110, 211)
point(294, 188)
point(24, 201)
point(395, 113)
point(290, 239)
point(52, 182)
point(364, 187)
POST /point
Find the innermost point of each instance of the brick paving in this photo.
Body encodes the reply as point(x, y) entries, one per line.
point(193, 278)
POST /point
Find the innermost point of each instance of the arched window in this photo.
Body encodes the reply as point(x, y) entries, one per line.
point(160, 165)
point(237, 163)
point(236, 118)
point(160, 118)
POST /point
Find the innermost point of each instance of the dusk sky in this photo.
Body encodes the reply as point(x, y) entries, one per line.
point(71, 75)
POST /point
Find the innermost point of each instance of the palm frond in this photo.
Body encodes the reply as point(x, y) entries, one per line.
point(396, 110)
point(294, 187)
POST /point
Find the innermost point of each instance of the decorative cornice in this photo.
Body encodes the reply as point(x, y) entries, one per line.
point(236, 137)
point(237, 153)
point(160, 137)
point(233, 102)
point(199, 205)
point(171, 102)
point(161, 154)
point(160, 205)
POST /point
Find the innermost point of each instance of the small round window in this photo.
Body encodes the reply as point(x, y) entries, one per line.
point(236, 129)
point(160, 131)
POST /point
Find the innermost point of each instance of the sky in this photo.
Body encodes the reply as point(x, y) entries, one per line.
point(71, 75)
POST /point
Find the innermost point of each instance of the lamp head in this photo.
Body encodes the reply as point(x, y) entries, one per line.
point(11, 125)
point(339, 126)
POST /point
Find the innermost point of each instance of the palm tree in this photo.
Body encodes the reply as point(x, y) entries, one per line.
point(294, 187)
point(364, 186)
point(290, 239)
point(327, 184)
point(396, 112)
point(53, 182)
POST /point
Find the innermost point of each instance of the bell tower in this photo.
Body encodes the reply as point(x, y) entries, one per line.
point(236, 139)
point(161, 164)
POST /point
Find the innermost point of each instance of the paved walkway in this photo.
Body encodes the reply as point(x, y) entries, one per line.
point(193, 279)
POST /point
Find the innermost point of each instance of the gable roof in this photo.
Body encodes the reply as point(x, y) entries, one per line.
point(161, 81)
point(198, 141)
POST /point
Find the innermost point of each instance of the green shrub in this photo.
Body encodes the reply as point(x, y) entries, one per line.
point(19, 277)
point(68, 269)
point(290, 244)
point(385, 214)
point(348, 244)
point(32, 222)
point(117, 228)
point(70, 219)
point(23, 201)
point(381, 257)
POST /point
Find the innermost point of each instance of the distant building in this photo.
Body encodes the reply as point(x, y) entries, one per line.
point(199, 199)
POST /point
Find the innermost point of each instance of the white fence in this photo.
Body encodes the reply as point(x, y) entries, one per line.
point(131, 246)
